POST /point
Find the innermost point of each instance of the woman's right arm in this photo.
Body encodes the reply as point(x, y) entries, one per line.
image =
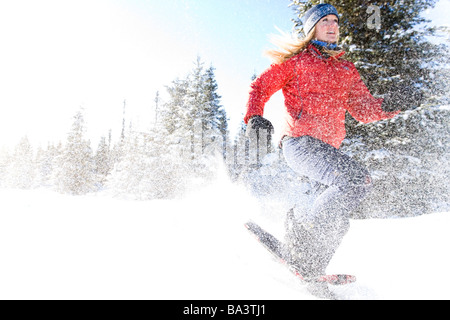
point(269, 82)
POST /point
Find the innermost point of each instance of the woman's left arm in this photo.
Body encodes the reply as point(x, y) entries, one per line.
point(362, 105)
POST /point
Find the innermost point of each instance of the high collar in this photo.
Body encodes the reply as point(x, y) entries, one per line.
point(318, 52)
point(325, 45)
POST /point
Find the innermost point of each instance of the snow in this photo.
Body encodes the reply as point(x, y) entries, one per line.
point(56, 246)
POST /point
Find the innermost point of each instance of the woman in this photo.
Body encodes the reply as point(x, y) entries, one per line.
point(319, 86)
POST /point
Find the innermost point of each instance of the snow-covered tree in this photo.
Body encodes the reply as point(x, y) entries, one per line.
point(194, 118)
point(410, 168)
point(46, 162)
point(174, 111)
point(75, 173)
point(149, 168)
point(21, 170)
point(5, 160)
point(182, 146)
point(102, 161)
point(216, 114)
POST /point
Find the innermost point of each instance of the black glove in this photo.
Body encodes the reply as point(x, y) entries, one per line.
point(257, 123)
point(402, 97)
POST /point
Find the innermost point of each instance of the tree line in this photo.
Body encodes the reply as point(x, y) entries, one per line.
point(158, 163)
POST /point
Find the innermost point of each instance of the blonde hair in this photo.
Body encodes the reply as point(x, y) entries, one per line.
point(290, 45)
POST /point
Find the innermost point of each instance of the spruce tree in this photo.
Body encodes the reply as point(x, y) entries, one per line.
point(206, 119)
point(102, 161)
point(196, 120)
point(173, 111)
point(194, 117)
point(76, 166)
point(186, 130)
point(46, 161)
point(5, 160)
point(21, 171)
point(150, 166)
point(217, 115)
point(177, 149)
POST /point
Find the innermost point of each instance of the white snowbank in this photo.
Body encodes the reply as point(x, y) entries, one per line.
point(55, 246)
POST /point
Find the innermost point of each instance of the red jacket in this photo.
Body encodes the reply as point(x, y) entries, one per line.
point(317, 92)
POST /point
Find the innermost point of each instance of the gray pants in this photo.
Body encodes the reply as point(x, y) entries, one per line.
point(314, 237)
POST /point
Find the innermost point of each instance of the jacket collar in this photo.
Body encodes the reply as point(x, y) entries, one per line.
point(322, 55)
point(326, 45)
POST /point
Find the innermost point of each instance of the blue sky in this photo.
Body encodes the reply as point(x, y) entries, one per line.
point(60, 55)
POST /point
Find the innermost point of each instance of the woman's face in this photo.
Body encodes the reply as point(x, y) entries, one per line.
point(327, 29)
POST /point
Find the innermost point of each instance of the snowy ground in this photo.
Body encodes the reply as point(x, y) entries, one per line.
point(56, 246)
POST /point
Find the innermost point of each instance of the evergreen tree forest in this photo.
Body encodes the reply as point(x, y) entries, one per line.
point(189, 140)
point(182, 149)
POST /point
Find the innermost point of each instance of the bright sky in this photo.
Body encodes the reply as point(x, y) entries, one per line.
point(59, 55)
